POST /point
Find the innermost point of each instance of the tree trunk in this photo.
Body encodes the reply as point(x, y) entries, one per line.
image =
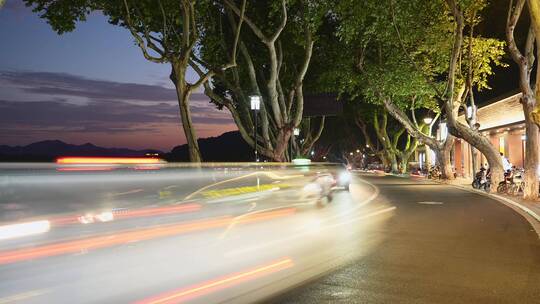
point(394, 167)
point(282, 143)
point(530, 190)
point(183, 93)
point(484, 146)
point(404, 164)
point(534, 11)
point(443, 159)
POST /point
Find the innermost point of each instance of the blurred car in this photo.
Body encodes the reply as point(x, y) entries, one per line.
point(342, 175)
point(320, 188)
point(326, 178)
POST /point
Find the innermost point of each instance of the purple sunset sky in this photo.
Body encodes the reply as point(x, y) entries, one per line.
point(91, 85)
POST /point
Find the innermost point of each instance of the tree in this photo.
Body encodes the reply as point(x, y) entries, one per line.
point(454, 97)
point(275, 56)
point(166, 31)
point(470, 73)
point(392, 144)
point(406, 46)
point(381, 71)
point(529, 99)
point(534, 10)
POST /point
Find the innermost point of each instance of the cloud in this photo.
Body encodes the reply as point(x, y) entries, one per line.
point(44, 105)
point(97, 115)
point(62, 84)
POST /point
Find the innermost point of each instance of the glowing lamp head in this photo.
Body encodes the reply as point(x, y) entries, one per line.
point(428, 120)
point(255, 102)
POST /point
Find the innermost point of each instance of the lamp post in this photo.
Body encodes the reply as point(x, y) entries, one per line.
point(296, 132)
point(428, 120)
point(255, 106)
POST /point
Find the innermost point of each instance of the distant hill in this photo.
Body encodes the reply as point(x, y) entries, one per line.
point(49, 150)
point(228, 147)
point(224, 148)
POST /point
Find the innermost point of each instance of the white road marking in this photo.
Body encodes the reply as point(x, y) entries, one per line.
point(430, 203)
point(127, 192)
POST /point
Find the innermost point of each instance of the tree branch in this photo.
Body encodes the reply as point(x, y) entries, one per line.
point(140, 41)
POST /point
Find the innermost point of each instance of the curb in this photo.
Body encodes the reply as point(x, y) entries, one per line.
point(532, 217)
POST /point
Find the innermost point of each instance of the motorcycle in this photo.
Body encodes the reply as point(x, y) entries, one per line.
point(517, 183)
point(507, 183)
point(434, 173)
point(478, 178)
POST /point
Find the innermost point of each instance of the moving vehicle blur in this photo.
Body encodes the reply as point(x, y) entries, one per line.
point(168, 233)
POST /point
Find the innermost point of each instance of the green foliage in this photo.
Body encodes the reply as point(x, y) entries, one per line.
point(486, 53)
point(401, 51)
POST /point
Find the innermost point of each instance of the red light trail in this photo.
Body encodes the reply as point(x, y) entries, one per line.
point(184, 294)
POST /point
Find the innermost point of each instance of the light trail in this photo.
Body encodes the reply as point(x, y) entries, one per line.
point(308, 231)
point(125, 237)
point(130, 213)
point(24, 229)
point(88, 168)
point(108, 160)
point(185, 294)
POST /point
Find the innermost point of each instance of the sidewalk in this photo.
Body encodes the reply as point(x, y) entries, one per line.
point(530, 210)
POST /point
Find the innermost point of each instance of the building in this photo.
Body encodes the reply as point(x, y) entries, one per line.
point(503, 122)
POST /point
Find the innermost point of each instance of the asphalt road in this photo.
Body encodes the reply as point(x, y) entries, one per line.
point(231, 235)
point(442, 245)
point(177, 235)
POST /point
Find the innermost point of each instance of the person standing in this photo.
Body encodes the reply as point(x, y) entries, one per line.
point(506, 164)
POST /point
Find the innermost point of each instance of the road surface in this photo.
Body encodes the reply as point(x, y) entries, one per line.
point(238, 234)
point(443, 245)
point(175, 234)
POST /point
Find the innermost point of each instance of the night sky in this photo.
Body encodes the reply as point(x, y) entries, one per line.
point(91, 85)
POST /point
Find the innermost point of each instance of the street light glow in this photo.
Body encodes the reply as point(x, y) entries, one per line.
point(255, 102)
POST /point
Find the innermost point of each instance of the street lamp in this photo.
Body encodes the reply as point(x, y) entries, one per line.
point(470, 111)
point(296, 132)
point(443, 131)
point(357, 150)
point(428, 120)
point(255, 106)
